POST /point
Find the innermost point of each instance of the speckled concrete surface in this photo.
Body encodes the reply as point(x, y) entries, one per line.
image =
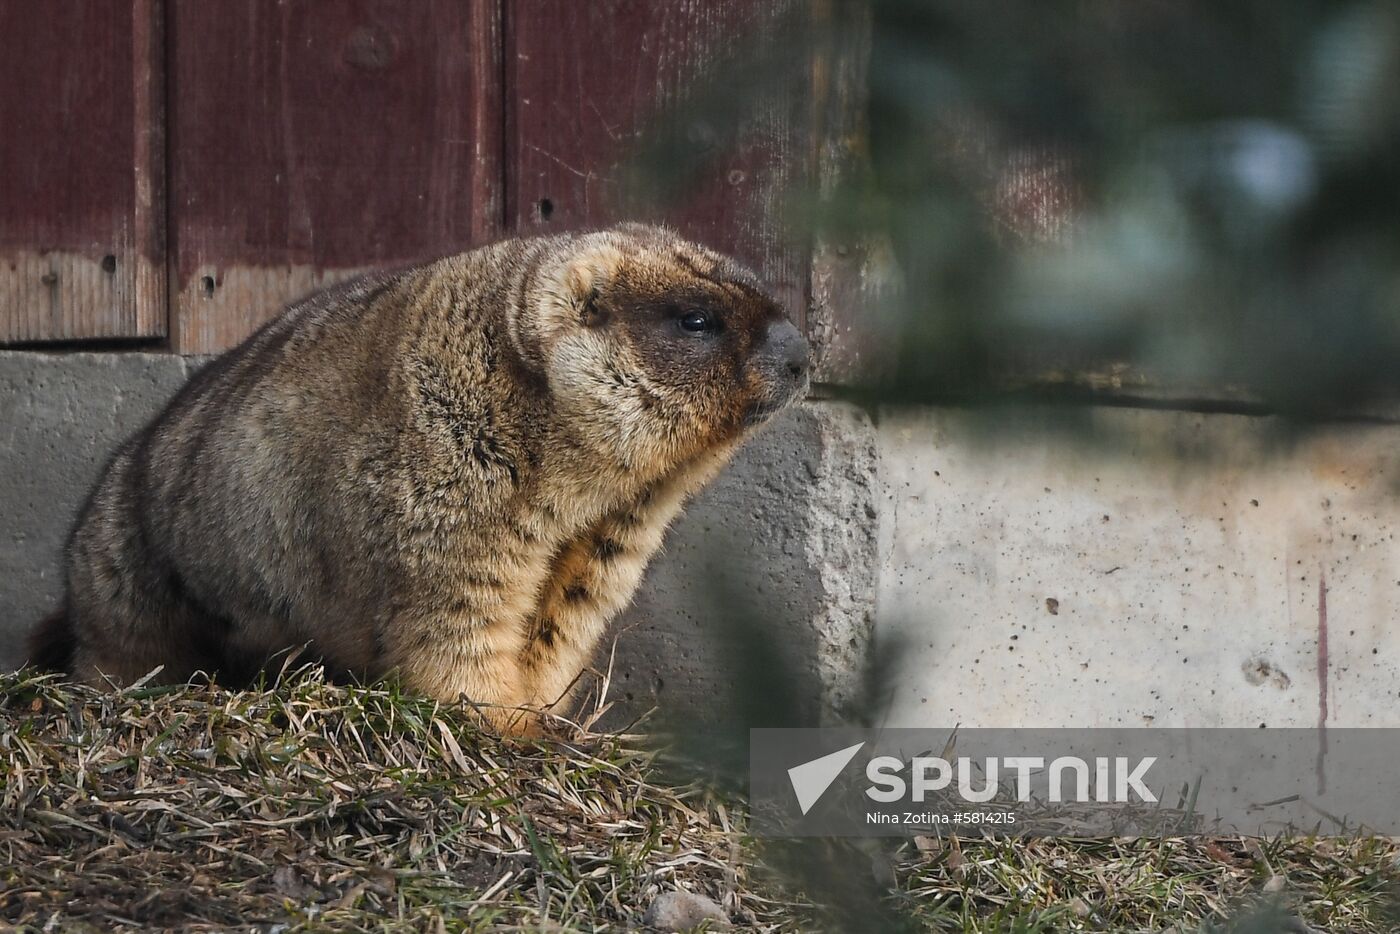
point(1176, 579)
point(61, 417)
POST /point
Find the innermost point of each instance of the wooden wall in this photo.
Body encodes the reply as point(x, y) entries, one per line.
point(582, 79)
point(176, 170)
point(81, 170)
point(310, 141)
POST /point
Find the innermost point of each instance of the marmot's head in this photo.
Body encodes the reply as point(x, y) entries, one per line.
point(656, 349)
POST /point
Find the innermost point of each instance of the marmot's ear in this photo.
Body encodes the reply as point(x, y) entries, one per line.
point(586, 278)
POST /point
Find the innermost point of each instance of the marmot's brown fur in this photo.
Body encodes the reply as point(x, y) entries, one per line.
point(457, 471)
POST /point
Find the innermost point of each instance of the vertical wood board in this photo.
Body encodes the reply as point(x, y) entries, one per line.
point(584, 80)
point(311, 141)
point(81, 170)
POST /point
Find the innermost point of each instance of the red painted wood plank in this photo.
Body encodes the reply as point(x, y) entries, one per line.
point(81, 165)
point(584, 79)
point(313, 140)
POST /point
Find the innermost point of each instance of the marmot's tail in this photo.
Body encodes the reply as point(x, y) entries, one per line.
point(51, 643)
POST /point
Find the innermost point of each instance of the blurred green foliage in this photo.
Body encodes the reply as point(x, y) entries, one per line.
point(1203, 196)
point(1199, 198)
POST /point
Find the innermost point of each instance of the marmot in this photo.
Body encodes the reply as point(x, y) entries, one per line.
point(456, 471)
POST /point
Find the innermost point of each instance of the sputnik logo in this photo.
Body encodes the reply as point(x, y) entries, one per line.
point(810, 780)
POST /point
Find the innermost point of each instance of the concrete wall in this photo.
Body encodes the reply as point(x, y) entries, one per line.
point(61, 416)
point(757, 562)
point(1023, 577)
point(1170, 574)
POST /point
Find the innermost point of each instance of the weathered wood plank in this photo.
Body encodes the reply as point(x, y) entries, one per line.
point(583, 81)
point(81, 171)
point(311, 141)
point(848, 273)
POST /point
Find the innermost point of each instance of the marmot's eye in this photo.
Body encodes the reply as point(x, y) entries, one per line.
point(696, 322)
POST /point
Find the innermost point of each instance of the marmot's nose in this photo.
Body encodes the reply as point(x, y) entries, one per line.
point(787, 348)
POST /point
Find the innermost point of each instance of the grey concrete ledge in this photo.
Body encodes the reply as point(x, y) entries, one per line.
point(785, 536)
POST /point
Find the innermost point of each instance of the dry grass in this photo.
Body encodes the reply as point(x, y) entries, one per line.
point(321, 807)
point(1147, 884)
point(318, 806)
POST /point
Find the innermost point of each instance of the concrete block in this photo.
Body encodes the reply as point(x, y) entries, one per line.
point(784, 541)
point(779, 555)
point(61, 417)
point(1175, 578)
